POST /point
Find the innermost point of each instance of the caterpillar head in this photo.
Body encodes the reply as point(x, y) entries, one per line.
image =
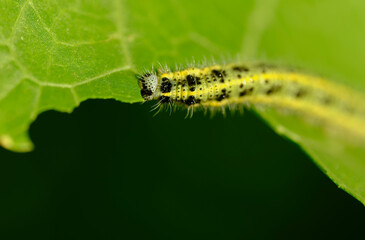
point(148, 83)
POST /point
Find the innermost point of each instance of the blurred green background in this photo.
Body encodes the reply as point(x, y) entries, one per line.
point(164, 177)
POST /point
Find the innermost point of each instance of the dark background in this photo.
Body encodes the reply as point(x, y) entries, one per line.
point(112, 171)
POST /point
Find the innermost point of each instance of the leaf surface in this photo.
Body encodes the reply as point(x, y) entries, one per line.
point(56, 54)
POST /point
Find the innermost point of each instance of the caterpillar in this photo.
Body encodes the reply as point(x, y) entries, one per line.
point(242, 84)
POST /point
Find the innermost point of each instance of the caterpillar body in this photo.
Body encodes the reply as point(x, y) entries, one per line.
point(240, 84)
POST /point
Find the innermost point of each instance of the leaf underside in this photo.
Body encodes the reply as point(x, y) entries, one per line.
point(56, 54)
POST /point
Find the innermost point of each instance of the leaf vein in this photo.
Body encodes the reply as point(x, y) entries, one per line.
point(121, 30)
point(257, 23)
point(102, 75)
point(21, 12)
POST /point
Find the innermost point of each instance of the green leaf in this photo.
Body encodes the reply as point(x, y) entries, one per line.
point(56, 54)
